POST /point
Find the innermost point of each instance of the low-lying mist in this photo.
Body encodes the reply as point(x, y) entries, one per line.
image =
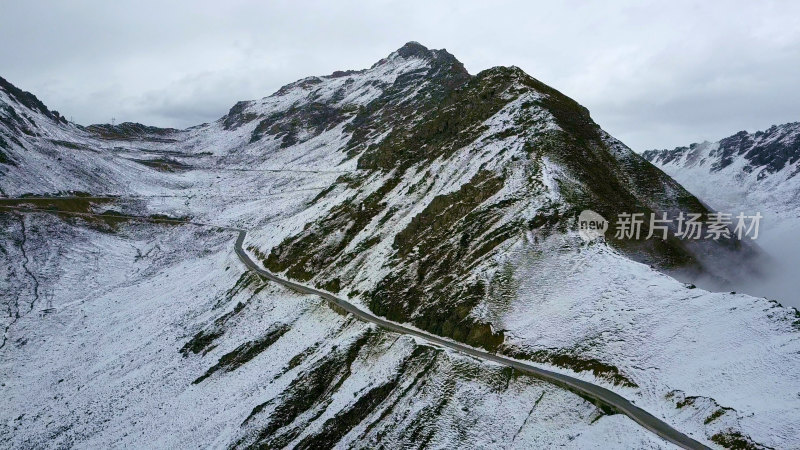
point(781, 269)
point(775, 274)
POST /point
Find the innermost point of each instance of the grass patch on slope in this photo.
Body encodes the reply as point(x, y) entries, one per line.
point(81, 206)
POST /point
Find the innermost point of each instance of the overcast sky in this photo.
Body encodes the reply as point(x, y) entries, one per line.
point(654, 74)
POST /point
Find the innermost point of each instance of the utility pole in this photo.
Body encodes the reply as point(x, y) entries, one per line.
point(48, 295)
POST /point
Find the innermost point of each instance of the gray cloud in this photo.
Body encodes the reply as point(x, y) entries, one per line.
point(654, 74)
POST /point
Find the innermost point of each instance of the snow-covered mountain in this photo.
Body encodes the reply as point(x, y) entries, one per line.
point(426, 195)
point(751, 173)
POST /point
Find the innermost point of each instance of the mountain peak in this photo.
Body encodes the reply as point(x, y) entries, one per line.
point(400, 73)
point(415, 50)
point(28, 100)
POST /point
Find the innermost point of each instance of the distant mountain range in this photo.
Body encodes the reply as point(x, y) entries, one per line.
point(754, 171)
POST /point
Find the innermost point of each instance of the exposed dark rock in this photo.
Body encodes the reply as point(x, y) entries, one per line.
point(29, 100)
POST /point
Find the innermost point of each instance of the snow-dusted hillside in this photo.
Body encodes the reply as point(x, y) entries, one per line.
point(104, 369)
point(427, 195)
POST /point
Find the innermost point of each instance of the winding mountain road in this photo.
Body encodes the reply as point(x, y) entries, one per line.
point(596, 393)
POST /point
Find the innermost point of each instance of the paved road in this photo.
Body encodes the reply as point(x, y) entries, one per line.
point(596, 393)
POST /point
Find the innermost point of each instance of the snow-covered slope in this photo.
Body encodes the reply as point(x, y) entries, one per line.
point(427, 195)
